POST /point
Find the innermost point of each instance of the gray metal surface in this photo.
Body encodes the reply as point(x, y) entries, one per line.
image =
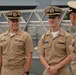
point(60, 2)
point(37, 68)
point(43, 3)
point(18, 2)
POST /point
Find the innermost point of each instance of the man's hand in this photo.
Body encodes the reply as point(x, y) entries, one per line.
point(53, 70)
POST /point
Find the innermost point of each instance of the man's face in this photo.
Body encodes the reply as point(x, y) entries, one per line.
point(14, 24)
point(73, 18)
point(54, 21)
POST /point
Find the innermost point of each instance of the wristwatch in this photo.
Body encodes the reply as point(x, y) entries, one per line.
point(27, 72)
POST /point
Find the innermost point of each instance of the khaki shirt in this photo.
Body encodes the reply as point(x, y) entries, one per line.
point(73, 52)
point(55, 49)
point(15, 48)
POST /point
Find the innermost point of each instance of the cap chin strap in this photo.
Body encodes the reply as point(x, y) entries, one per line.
point(53, 14)
point(69, 11)
point(13, 17)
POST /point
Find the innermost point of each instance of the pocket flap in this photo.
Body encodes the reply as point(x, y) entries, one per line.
point(46, 46)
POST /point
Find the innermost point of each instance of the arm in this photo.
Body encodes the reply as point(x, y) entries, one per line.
point(28, 62)
point(64, 62)
point(41, 52)
point(44, 62)
point(0, 59)
point(28, 51)
point(51, 69)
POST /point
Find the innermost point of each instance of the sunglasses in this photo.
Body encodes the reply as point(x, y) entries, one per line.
point(52, 17)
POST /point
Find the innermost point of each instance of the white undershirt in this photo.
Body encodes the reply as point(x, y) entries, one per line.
point(54, 33)
point(11, 34)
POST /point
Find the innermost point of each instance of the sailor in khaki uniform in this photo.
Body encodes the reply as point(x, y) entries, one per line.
point(72, 13)
point(15, 45)
point(0, 60)
point(53, 47)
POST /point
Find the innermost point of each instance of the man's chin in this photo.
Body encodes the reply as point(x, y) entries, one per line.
point(15, 28)
point(52, 25)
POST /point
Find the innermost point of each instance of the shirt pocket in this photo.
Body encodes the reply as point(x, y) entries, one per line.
point(18, 42)
point(47, 48)
point(60, 46)
point(17, 48)
point(18, 45)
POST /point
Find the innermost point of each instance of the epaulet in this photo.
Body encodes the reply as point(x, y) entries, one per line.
point(44, 35)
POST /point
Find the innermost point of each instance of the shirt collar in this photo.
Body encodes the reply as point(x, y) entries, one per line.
point(18, 32)
point(61, 32)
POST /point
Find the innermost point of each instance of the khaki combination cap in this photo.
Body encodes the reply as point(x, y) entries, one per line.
point(53, 10)
point(72, 6)
point(14, 14)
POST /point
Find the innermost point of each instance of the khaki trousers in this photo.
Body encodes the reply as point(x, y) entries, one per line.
point(12, 71)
